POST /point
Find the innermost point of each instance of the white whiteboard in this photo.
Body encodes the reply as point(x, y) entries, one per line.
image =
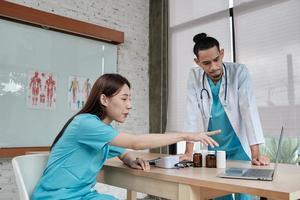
point(25, 49)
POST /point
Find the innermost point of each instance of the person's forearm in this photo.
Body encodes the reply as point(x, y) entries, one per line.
point(126, 158)
point(148, 141)
point(189, 149)
point(255, 153)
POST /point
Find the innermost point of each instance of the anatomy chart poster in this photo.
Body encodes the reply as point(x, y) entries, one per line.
point(78, 91)
point(41, 90)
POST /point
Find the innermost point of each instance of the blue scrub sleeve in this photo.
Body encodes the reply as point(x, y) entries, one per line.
point(115, 151)
point(94, 133)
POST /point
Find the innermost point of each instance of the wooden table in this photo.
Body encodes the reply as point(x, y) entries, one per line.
point(199, 183)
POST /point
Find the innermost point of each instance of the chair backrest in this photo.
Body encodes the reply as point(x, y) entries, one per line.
point(28, 169)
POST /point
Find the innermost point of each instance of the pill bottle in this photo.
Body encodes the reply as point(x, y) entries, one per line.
point(221, 159)
point(211, 160)
point(197, 160)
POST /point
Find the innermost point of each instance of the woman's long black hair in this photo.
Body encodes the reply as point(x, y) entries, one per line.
point(107, 84)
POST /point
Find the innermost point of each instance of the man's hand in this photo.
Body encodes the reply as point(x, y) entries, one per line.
point(186, 156)
point(258, 159)
point(261, 160)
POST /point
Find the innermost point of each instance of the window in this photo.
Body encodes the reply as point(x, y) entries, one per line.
point(268, 42)
point(215, 23)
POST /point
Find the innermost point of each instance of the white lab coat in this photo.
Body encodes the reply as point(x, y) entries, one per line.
point(240, 105)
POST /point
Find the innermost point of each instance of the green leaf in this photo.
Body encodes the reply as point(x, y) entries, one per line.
point(288, 152)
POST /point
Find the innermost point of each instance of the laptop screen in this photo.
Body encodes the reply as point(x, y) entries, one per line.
point(278, 149)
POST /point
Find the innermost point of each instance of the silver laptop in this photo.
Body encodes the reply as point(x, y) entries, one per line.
point(253, 174)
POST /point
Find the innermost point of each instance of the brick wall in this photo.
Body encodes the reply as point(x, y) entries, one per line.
point(128, 16)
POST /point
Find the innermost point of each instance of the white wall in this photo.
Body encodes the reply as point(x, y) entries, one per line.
point(128, 16)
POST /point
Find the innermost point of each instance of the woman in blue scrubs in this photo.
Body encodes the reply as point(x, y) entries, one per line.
point(221, 96)
point(87, 140)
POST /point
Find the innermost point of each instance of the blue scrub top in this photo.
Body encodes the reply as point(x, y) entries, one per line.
point(76, 160)
point(227, 139)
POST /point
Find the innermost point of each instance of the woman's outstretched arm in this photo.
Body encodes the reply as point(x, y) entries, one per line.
point(147, 141)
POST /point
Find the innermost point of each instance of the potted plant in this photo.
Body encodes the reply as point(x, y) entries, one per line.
point(288, 152)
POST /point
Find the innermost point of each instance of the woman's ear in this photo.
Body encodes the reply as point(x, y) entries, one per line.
point(103, 99)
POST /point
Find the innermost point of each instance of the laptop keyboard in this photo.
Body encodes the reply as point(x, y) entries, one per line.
point(258, 173)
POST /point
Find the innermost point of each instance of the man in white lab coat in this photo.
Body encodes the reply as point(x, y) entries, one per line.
point(220, 96)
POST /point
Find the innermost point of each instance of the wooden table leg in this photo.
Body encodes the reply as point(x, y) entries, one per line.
point(187, 192)
point(131, 195)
